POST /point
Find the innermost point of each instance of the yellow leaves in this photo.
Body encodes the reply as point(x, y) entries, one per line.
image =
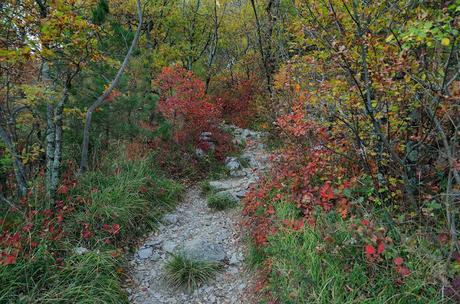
point(33, 154)
point(47, 53)
point(379, 115)
point(393, 181)
point(445, 41)
point(25, 118)
point(264, 126)
point(8, 55)
point(34, 95)
point(76, 112)
point(17, 55)
point(394, 108)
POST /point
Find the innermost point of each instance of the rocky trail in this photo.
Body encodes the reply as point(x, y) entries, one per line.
point(198, 231)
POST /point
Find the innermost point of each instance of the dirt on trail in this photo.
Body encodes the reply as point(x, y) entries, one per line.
point(209, 235)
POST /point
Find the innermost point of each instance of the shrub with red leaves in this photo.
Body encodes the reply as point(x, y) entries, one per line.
point(185, 104)
point(236, 100)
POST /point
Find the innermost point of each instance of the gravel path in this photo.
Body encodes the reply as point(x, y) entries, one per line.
point(193, 227)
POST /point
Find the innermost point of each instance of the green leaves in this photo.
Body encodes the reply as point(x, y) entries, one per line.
point(100, 12)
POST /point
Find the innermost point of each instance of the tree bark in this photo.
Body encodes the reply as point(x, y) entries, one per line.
point(49, 145)
point(261, 46)
point(266, 50)
point(58, 122)
point(18, 166)
point(103, 98)
point(213, 50)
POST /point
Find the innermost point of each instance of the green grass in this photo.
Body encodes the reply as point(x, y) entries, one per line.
point(135, 198)
point(244, 162)
point(206, 188)
point(181, 163)
point(274, 142)
point(88, 278)
point(307, 269)
point(221, 201)
point(132, 194)
point(256, 255)
point(186, 273)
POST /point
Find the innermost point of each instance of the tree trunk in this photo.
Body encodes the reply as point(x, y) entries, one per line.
point(54, 120)
point(266, 50)
point(261, 46)
point(102, 99)
point(18, 166)
point(49, 146)
point(213, 50)
point(58, 122)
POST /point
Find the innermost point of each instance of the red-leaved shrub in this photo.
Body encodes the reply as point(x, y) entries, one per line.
point(185, 104)
point(236, 100)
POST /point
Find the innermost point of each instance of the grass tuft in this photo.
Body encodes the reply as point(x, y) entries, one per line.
point(183, 272)
point(206, 187)
point(221, 201)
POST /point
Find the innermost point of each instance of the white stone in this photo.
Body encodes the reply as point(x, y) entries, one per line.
point(232, 163)
point(199, 152)
point(234, 259)
point(204, 250)
point(153, 243)
point(145, 253)
point(169, 246)
point(171, 219)
point(80, 250)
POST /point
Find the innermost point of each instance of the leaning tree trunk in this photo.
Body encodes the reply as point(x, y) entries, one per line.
point(103, 98)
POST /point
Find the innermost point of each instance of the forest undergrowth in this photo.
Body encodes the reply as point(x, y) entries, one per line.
point(109, 109)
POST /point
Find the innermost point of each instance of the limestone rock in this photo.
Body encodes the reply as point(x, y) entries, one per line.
point(169, 246)
point(204, 250)
point(145, 253)
point(170, 219)
point(232, 163)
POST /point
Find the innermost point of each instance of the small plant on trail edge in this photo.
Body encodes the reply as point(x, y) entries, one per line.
point(221, 201)
point(184, 272)
point(206, 187)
